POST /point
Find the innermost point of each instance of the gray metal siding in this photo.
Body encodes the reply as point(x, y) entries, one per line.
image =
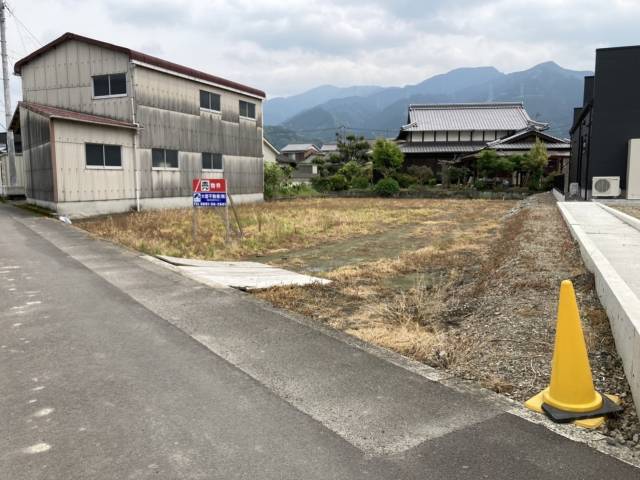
point(63, 78)
point(36, 149)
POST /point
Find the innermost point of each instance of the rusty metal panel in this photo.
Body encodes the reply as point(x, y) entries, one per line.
point(36, 150)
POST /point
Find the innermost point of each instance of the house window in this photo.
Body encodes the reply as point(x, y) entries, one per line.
point(163, 158)
point(103, 156)
point(114, 84)
point(209, 101)
point(441, 136)
point(247, 109)
point(212, 161)
point(429, 136)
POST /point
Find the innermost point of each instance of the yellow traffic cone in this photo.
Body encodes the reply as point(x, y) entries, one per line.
point(571, 396)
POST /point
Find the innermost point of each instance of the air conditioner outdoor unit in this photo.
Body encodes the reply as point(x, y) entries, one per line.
point(606, 187)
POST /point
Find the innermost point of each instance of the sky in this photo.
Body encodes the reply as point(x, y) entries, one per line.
point(288, 46)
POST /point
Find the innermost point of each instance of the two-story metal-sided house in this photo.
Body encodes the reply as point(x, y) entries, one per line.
point(108, 129)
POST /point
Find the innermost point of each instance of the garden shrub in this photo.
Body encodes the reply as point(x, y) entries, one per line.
point(338, 182)
point(387, 187)
point(404, 179)
point(360, 182)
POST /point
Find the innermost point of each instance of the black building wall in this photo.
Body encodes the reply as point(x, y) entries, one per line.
point(616, 111)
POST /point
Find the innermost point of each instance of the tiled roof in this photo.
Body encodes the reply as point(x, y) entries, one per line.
point(468, 116)
point(298, 147)
point(140, 57)
point(435, 147)
point(528, 145)
point(329, 147)
point(55, 112)
point(545, 137)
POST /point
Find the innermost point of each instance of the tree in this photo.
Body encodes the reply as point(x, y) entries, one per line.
point(534, 163)
point(352, 149)
point(276, 178)
point(492, 165)
point(422, 173)
point(350, 170)
point(387, 157)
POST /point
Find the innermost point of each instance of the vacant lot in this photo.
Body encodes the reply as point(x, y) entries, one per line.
point(469, 286)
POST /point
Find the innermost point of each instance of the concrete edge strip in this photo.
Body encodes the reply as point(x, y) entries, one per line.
point(593, 439)
point(557, 194)
point(626, 218)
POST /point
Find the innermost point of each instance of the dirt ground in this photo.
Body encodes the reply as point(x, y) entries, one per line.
point(634, 211)
point(476, 297)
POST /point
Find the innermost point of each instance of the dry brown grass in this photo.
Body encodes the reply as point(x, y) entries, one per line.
point(271, 227)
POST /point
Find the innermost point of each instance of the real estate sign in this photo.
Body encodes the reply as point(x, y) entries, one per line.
point(209, 192)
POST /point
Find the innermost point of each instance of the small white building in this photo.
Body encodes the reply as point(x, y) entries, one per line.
point(269, 152)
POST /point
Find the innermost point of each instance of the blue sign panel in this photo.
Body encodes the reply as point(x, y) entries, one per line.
point(209, 199)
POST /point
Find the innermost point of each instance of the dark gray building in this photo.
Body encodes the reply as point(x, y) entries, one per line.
point(604, 128)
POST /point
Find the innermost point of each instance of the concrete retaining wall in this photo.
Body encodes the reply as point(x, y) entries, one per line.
point(621, 304)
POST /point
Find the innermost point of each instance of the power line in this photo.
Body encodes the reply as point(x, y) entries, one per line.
point(18, 21)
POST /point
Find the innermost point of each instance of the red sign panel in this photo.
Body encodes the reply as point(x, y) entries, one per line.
point(215, 185)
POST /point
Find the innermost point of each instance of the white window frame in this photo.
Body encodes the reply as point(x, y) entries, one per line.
point(116, 95)
point(245, 117)
point(103, 166)
point(169, 169)
point(210, 110)
point(212, 169)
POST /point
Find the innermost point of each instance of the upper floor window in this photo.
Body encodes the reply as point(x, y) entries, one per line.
point(212, 161)
point(209, 101)
point(247, 109)
point(103, 156)
point(110, 85)
point(163, 158)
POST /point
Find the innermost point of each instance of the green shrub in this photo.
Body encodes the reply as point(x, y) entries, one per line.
point(338, 182)
point(480, 185)
point(404, 179)
point(321, 184)
point(276, 178)
point(422, 173)
point(387, 187)
point(387, 157)
point(360, 182)
point(432, 182)
point(350, 170)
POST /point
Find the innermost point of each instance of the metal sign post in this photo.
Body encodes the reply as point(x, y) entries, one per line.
point(210, 192)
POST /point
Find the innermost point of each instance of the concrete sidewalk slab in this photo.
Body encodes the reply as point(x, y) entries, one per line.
point(242, 275)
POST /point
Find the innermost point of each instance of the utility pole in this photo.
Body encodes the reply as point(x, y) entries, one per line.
point(7, 97)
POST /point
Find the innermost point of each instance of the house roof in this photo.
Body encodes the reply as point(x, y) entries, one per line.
point(140, 57)
point(268, 144)
point(440, 147)
point(518, 137)
point(468, 116)
point(55, 112)
point(329, 147)
point(298, 147)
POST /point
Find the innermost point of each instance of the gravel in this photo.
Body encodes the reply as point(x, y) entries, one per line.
point(506, 342)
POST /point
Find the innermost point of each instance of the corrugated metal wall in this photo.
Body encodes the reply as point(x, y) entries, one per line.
point(36, 150)
point(62, 78)
point(76, 182)
point(168, 110)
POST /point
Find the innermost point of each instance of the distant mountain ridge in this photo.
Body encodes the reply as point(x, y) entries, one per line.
point(548, 91)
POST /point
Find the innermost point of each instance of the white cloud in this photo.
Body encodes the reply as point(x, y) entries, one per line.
point(287, 46)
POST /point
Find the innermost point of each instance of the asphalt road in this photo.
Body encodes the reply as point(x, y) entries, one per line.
point(112, 367)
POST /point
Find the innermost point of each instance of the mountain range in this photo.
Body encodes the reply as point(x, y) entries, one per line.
point(548, 91)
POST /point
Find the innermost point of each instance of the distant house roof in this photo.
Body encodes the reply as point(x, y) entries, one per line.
point(442, 147)
point(329, 147)
point(271, 147)
point(140, 57)
point(468, 116)
point(55, 112)
point(522, 140)
point(298, 147)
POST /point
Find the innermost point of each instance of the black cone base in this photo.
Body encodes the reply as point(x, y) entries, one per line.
point(560, 416)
